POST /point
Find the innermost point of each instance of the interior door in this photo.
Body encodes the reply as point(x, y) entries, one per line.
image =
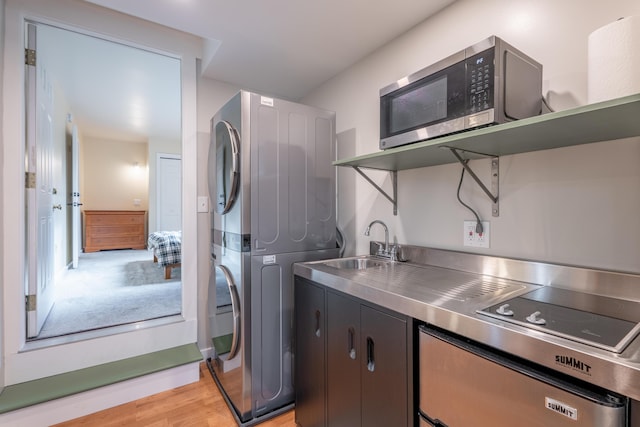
point(39, 191)
point(75, 198)
point(169, 192)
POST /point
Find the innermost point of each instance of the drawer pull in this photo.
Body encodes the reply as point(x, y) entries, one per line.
point(317, 332)
point(351, 349)
point(371, 363)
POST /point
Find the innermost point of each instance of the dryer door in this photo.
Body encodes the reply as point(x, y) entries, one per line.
point(225, 151)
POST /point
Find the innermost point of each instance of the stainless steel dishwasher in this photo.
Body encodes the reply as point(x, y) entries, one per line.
point(463, 384)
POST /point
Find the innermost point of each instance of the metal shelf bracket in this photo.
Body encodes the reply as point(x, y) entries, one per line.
point(394, 183)
point(495, 178)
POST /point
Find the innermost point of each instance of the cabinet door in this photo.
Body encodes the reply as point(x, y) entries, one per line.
point(384, 369)
point(343, 360)
point(309, 376)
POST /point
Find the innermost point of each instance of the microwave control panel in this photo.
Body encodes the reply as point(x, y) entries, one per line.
point(480, 81)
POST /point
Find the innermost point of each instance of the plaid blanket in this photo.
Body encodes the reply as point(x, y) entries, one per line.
point(166, 246)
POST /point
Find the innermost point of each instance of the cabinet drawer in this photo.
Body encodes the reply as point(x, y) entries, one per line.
point(102, 243)
point(111, 231)
point(121, 241)
point(117, 219)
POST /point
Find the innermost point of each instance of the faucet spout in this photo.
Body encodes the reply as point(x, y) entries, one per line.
point(386, 233)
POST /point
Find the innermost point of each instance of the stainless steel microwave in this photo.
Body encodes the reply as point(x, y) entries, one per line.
point(488, 83)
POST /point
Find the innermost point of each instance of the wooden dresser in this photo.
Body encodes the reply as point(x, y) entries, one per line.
point(114, 230)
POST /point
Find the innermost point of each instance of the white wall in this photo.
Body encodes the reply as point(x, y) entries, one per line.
point(23, 365)
point(573, 205)
point(114, 159)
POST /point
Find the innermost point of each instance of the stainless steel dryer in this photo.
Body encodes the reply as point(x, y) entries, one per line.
point(273, 185)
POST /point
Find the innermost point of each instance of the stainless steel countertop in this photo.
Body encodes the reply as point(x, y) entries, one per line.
point(432, 291)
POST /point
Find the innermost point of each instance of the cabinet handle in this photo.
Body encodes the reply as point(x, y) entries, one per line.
point(317, 333)
point(351, 349)
point(371, 363)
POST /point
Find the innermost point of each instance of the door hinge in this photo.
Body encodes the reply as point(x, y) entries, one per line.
point(30, 300)
point(30, 57)
point(30, 179)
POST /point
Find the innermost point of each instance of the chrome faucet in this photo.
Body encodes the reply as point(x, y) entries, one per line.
point(384, 252)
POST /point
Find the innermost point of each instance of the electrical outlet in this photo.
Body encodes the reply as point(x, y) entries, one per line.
point(472, 238)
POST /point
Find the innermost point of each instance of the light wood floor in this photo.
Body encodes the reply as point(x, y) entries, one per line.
point(197, 404)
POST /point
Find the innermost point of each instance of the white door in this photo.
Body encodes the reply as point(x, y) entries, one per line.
point(169, 192)
point(39, 191)
point(75, 198)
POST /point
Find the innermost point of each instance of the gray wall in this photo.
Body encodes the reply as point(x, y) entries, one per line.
point(573, 205)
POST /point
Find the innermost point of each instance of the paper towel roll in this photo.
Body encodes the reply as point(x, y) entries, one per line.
point(614, 60)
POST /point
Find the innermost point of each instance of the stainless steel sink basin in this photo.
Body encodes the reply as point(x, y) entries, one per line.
point(356, 263)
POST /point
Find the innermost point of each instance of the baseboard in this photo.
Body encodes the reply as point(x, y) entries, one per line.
point(81, 404)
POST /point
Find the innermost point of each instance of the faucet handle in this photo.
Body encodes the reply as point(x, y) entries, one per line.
point(380, 250)
point(395, 253)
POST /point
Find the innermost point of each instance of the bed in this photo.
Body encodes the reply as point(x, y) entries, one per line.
point(166, 247)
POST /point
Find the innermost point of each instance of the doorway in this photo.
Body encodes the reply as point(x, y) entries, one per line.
point(168, 192)
point(109, 109)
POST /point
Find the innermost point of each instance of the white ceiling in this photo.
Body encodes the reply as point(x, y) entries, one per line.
point(283, 48)
point(113, 91)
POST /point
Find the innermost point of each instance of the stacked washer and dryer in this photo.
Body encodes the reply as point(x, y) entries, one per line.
point(273, 186)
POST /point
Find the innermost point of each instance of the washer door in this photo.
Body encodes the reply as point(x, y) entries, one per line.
point(227, 161)
point(225, 289)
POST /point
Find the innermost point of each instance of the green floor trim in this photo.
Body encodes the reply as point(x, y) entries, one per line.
point(222, 344)
point(30, 393)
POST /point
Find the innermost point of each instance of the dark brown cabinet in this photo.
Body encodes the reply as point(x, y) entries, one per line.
point(353, 363)
point(309, 365)
point(344, 357)
point(385, 372)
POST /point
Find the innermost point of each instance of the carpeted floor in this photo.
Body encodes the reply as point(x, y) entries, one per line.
point(111, 288)
point(147, 272)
